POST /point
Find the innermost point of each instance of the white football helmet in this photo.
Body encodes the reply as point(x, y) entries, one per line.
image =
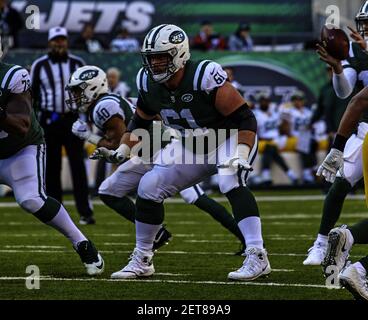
point(361, 20)
point(85, 85)
point(165, 41)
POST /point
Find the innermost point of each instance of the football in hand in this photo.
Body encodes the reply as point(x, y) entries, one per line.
point(335, 41)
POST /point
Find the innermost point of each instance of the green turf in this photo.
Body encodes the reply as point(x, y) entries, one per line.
point(288, 227)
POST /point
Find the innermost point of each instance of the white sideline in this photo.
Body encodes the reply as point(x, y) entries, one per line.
point(266, 284)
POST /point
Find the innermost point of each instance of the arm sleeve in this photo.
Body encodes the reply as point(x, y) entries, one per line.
point(344, 83)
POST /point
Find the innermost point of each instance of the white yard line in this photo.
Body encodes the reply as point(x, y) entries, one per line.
point(67, 250)
point(221, 199)
point(34, 247)
point(262, 284)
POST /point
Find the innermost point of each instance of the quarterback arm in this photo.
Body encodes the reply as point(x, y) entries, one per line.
point(15, 117)
point(344, 77)
point(351, 117)
point(344, 82)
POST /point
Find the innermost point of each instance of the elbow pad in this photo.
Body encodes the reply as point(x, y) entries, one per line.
point(137, 122)
point(244, 119)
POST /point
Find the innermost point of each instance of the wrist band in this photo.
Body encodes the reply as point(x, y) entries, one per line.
point(339, 142)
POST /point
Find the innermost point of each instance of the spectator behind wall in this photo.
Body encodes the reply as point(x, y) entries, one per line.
point(87, 41)
point(241, 39)
point(124, 42)
point(207, 39)
point(269, 124)
point(11, 23)
point(299, 117)
point(115, 85)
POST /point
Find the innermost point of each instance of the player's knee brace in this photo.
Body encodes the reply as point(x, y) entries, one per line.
point(149, 212)
point(48, 211)
point(32, 205)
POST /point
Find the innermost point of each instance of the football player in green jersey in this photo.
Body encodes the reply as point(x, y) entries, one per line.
point(22, 163)
point(349, 76)
point(194, 98)
point(353, 276)
point(111, 114)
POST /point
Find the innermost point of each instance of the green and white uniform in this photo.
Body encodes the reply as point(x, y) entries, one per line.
point(356, 73)
point(109, 106)
point(22, 159)
point(190, 106)
point(126, 178)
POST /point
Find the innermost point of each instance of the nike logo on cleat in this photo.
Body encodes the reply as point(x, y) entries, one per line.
point(100, 266)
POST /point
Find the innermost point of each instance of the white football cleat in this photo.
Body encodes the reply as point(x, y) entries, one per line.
point(95, 268)
point(255, 265)
point(340, 242)
point(355, 280)
point(140, 265)
point(90, 257)
point(316, 254)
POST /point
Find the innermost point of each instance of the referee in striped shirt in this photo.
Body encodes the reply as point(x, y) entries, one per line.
point(49, 75)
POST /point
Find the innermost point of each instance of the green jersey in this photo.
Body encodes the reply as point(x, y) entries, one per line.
point(15, 80)
point(192, 104)
point(358, 61)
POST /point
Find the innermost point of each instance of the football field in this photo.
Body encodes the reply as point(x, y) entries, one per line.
point(193, 266)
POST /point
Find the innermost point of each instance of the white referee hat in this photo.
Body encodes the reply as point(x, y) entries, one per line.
point(57, 32)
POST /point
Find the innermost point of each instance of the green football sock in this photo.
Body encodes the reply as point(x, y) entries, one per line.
point(220, 214)
point(360, 232)
point(123, 206)
point(332, 205)
point(243, 203)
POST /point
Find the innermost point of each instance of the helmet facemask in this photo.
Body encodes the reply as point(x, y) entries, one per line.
point(78, 101)
point(362, 26)
point(160, 64)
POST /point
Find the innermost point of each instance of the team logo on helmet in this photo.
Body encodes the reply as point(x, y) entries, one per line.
point(177, 37)
point(88, 75)
point(187, 97)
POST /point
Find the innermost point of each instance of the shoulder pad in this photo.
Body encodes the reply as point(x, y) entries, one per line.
point(208, 76)
point(16, 80)
point(105, 109)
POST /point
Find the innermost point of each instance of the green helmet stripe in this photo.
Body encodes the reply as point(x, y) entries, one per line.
point(200, 77)
point(155, 35)
point(9, 75)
